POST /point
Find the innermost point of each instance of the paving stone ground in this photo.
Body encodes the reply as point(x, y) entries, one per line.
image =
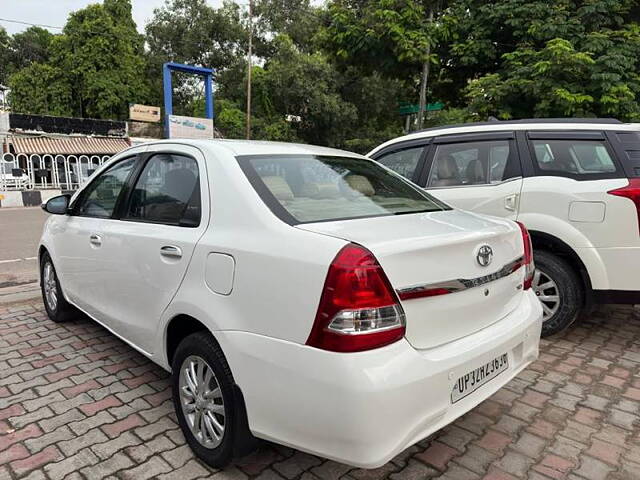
point(76, 402)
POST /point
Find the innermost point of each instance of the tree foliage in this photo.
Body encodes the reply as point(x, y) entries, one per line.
point(93, 69)
point(561, 58)
point(5, 55)
point(335, 74)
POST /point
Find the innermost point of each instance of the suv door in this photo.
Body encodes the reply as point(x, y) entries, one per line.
point(81, 253)
point(161, 220)
point(476, 172)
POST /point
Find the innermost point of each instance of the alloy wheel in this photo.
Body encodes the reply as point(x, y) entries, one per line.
point(202, 401)
point(50, 286)
point(547, 292)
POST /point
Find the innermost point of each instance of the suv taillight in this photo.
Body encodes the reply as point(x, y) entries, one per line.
point(527, 260)
point(358, 309)
point(632, 192)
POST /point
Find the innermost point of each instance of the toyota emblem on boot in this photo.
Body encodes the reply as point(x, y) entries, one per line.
point(485, 255)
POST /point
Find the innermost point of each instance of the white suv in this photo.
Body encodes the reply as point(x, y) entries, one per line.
point(574, 183)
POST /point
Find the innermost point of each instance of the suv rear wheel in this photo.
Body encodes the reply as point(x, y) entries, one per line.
point(559, 290)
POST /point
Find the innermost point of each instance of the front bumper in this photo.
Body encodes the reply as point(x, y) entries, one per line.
point(364, 408)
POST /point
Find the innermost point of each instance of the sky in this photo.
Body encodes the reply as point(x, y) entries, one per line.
point(55, 12)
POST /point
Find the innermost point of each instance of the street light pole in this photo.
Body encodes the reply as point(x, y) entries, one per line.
point(249, 65)
point(425, 78)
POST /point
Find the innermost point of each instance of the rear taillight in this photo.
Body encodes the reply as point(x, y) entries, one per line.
point(632, 192)
point(358, 308)
point(527, 259)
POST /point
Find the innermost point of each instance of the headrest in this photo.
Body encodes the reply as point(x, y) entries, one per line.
point(320, 190)
point(179, 184)
point(474, 172)
point(279, 187)
point(447, 167)
point(360, 184)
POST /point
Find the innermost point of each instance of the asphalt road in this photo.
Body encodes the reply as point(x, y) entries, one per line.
point(20, 230)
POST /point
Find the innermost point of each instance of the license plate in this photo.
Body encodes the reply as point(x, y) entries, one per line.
point(470, 382)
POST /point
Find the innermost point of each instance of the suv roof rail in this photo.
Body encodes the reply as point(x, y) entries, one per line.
point(494, 121)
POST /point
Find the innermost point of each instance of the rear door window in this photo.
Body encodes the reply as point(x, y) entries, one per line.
point(403, 161)
point(473, 163)
point(311, 188)
point(574, 158)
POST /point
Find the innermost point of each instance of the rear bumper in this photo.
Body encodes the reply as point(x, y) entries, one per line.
point(364, 408)
point(614, 269)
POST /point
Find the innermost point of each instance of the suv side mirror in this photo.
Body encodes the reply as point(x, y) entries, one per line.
point(57, 205)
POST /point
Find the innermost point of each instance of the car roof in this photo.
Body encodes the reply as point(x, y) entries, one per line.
point(259, 147)
point(511, 125)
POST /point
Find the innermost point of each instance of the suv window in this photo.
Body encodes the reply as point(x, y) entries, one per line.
point(403, 162)
point(573, 157)
point(101, 195)
point(473, 163)
point(167, 191)
point(313, 188)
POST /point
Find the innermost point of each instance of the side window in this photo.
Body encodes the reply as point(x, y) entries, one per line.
point(403, 162)
point(167, 191)
point(572, 157)
point(473, 163)
point(100, 197)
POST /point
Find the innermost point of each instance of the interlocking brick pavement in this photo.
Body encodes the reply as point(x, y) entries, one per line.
point(76, 402)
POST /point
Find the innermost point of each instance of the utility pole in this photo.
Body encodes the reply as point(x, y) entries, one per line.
point(249, 66)
point(425, 78)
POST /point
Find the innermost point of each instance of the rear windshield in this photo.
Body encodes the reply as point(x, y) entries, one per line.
point(310, 188)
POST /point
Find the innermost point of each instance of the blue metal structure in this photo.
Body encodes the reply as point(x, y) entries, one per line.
point(207, 73)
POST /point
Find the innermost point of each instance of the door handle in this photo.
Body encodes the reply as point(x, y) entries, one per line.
point(511, 202)
point(171, 251)
point(95, 239)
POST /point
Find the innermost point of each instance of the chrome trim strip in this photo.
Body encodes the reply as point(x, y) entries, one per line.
point(460, 284)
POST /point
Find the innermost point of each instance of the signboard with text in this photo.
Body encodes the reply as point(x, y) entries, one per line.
point(190, 127)
point(144, 113)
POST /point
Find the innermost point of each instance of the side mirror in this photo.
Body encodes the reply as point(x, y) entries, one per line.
point(57, 205)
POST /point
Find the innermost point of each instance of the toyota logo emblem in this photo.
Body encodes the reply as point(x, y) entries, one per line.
point(484, 256)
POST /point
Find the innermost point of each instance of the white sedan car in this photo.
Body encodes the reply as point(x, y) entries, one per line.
point(304, 295)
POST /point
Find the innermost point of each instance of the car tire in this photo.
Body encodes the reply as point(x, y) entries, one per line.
point(561, 281)
point(200, 350)
point(58, 309)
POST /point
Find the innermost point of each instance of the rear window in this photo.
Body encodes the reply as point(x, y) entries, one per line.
point(573, 157)
point(310, 188)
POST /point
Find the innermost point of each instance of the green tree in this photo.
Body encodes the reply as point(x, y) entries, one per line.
point(29, 46)
point(230, 120)
point(298, 19)
point(95, 68)
point(392, 37)
point(41, 89)
point(5, 55)
point(192, 32)
point(544, 58)
point(306, 86)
